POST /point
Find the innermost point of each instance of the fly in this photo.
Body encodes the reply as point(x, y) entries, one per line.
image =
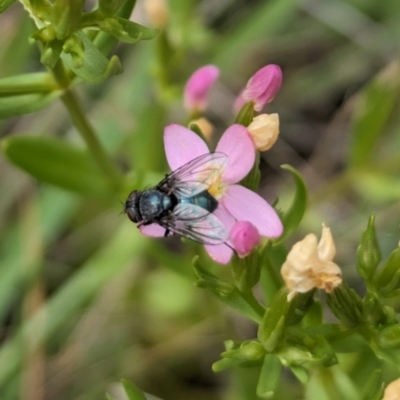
point(181, 203)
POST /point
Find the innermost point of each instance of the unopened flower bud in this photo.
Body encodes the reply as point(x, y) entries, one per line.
point(309, 265)
point(368, 252)
point(263, 86)
point(198, 86)
point(157, 12)
point(264, 131)
point(244, 237)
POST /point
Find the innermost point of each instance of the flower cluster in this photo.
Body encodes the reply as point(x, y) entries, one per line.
point(244, 214)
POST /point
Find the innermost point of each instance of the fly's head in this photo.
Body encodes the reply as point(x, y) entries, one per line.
point(131, 206)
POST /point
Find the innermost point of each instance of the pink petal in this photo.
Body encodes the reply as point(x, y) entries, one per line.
point(244, 237)
point(220, 253)
point(198, 86)
point(236, 143)
point(246, 205)
point(263, 86)
point(152, 230)
point(182, 145)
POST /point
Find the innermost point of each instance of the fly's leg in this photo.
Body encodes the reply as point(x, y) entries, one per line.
point(167, 232)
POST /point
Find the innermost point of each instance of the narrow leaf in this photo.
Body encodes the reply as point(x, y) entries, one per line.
point(4, 4)
point(269, 377)
point(373, 110)
point(20, 104)
point(132, 391)
point(292, 217)
point(56, 162)
point(27, 83)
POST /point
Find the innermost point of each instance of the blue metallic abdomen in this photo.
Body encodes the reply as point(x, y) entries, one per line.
point(203, 200)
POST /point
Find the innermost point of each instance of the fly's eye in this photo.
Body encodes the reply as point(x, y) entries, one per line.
point(132, 215)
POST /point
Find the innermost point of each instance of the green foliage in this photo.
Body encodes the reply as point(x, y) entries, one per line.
point(293, 216)
point(56, 162)
point(132, 391)
point(4, 4)
point(375, 104)
point(87, 298)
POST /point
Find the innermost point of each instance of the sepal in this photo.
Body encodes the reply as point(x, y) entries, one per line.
point(345, 304)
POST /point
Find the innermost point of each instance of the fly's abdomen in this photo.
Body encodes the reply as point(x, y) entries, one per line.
point(203, 200)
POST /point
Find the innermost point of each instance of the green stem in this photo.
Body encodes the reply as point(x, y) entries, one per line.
point(248, 296)
point(73, 105)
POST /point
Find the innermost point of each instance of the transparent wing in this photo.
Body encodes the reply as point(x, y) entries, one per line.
point(195, 223)
point(195, 176)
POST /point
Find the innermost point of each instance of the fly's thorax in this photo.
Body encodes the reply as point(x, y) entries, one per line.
point(154, 204)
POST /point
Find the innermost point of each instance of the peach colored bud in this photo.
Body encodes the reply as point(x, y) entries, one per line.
point(264, 130)
point(392, 391)
point(309, 265)
point(157, 12)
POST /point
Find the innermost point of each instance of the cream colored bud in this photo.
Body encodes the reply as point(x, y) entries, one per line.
point(326, 245)
point(309, 265)
point(157, 12)
point(205, 126)
point(392, 391)
point(264, 130)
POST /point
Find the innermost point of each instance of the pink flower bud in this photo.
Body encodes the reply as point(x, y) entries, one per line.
point(263, 86)
point(198, 86)
point(244, 237)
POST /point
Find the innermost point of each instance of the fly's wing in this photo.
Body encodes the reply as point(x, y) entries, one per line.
point(195, 223)
point(195, 176)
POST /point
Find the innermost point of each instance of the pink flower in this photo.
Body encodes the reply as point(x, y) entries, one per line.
point(235, 202)
point(244, 237)
point(198, 86)
point(262, 86)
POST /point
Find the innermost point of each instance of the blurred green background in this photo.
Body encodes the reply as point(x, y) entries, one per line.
point(85, 300)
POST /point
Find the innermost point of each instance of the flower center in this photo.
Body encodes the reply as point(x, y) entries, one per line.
point(217, 187)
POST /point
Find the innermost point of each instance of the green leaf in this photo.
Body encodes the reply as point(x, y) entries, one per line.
point(224, 291)
point(373, 110)
point(125, 30)
point(20, 104)
point(56, 162)
point(4, 4)
point(94, 67)
point(66, 16)
point(110, 7)
point(374, 387)
point(109, 397)
point(132, 391)
point(270, 331)
point(292, 217)
point(27, 83)
point(388, 277)
point(106, 42)
point(269, 376)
